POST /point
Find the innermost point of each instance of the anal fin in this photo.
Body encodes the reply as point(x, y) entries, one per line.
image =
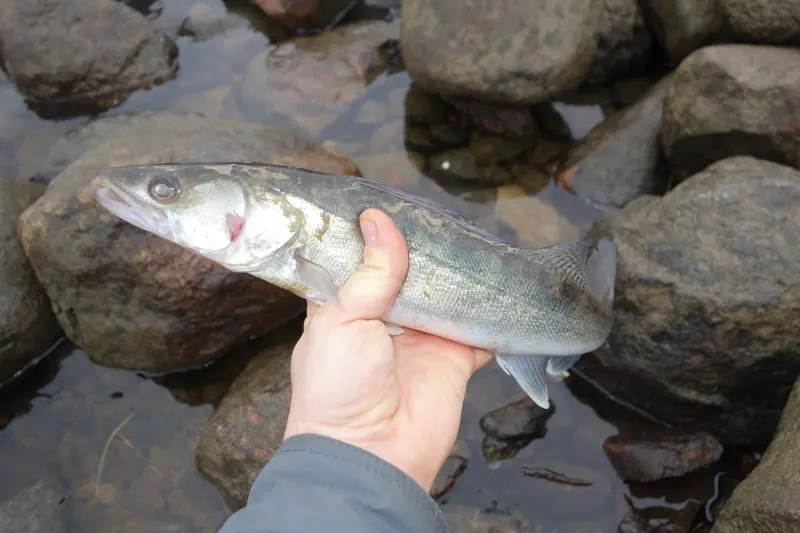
point(530, 372)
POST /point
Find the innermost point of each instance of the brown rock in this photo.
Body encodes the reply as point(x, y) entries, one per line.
point(774, 22)
point(661, 455)
point(730, 100)
point(134, 300)
point(310, 14)
point(248, 425)
point(451, 470)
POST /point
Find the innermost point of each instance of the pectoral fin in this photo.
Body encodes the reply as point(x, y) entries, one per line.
point(392, 329)
point(530, 372)
point(557, 366)
point(317, 278)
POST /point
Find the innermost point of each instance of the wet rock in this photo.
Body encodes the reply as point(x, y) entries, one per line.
point(763, 21)
point(661, 455)
point(625, 45)
point(519, 53)
point(730, 100)
point(536, 222)
point(492, 149)
point(509, 120)
point(683, 26)
point(27, 324)
point(512, 427)
point(33, 510)
point(768, 500)
point(87, 55)
point(248, 425)
point(307, 82)
point(452, 469)
point(307, 14)
point(705, 305)
point(145, 303)
point(464, 519)
point(551, 122)
point(660, 520)
point(424, 107)
point(621, 158)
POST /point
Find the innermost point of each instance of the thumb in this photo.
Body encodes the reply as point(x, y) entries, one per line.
point(372, 289)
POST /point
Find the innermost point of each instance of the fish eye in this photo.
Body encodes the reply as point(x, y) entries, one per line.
point(163, 189)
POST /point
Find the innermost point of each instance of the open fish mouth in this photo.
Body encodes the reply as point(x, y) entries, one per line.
point(121, 204)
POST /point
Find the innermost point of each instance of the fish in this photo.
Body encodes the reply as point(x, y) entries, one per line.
point(538, 310)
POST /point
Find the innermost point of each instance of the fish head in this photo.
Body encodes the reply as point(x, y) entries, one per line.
point(203, 208)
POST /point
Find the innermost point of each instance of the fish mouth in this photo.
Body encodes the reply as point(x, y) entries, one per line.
point(120, 203)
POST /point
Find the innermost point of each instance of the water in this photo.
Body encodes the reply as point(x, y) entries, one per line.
point(56, 421)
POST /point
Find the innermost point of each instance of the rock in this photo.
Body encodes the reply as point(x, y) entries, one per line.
point(307, 82)
point(518, 53)
point(706, 295)
point(621, 158)
point(536, 222)
point(87, 55)
point(27, 324)
point(625, 45)
point(683, 26)
point(660, 519)
point(512, 427)
point(309, 14)
point(661, 455)
point(730, 100)
point(508, 120)
point(464, 519)
point(768, 500)
point(145, 303)
point(452, 469)
point(248, 425)
point(33, 510)
point(204, 22)
point(763, 21)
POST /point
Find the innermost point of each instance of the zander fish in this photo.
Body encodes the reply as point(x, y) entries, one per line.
point(538, 310)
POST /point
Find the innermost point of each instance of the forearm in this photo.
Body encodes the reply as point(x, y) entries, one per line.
point(315, 484)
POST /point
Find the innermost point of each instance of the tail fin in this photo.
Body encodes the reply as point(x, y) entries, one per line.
point(601, 271)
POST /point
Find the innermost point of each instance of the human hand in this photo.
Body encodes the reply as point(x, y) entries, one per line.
point(398, 397)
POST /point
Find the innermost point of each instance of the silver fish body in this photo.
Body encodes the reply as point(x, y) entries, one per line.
point(537, 309)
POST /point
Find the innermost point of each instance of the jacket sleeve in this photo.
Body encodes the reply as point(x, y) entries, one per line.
point(317, 484)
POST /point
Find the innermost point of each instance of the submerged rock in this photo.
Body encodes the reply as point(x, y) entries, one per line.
point(83, 55)
point(683, 26)
point(307, 82)
point(706, 299)
point(621, 158)
point(33, 510)
point(517, 53)
point(657, 519)
point(309, 14)
point(768, 500)
point(248, 425)
point(27, 324)
point(536, 222)
point(465, 519)
point(134, 300)
point(763, 21)
point(451, 470)
point(661, 454)
point(729, 100)
point(510, 428)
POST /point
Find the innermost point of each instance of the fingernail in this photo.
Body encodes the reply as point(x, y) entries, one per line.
point(370, 231)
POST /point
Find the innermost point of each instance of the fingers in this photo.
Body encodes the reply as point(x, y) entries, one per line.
point(482, 358)
point(371, 291)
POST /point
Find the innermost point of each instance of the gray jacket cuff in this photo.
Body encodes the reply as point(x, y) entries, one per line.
point(314, 483)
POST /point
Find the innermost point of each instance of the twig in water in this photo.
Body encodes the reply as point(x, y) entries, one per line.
point(553, 476)
point(105, 451)
point(140, 456)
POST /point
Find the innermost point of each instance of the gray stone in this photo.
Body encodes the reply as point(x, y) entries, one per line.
point(27, 324)
point(516, 51)
point(768, 500)
point(683, 26)
point(33, 510)
point(621, 158)
point(728, 100)
point(763, 21)
point(706, 301)
point(87, 55)
point(131, 299)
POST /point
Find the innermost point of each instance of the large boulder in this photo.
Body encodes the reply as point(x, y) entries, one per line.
point(512, 52)
point(87, 55)
point(763, 21)
point(729, 100)
point(706, 301)
point(768, 500)
point(307, 82)
point(134, 300)
point(27, 324)
point(248, 425)
point(683, 26)
point(621, 158)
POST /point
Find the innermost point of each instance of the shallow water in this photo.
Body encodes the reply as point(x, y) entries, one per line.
point(56, 421)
